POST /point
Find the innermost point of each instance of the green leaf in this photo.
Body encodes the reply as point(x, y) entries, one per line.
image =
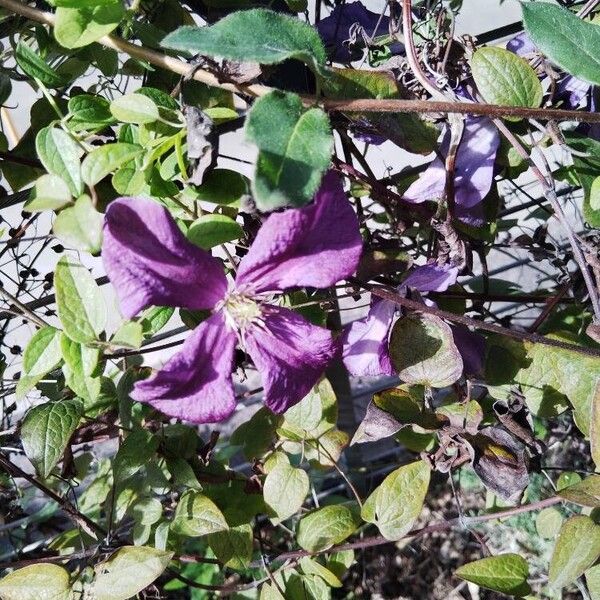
point(293, 156)
point(504, 573)
point(222, 186)
point(211, 230)
point(587, 168)
point(153, 319)
point(577, 548)
point(584, 493)
point(80, 365)
point(327, 526)
point(128, 571)
point(79, 300)
point(233, 547)
point(80, 226)
point(129, 335)
point(134, 108)
point(60, 154)
point(504, 78)
point(49, 193)
point(103, 160)
point(41, 356)
point(548, 522)
point(543, 373)
point(564, 38)
point(89, 113)
point(46, 431)
point(306, 415)
point(406, 130)
point(270, 592)
point(34, 66)
point(196, 515)
point(37, 582)
point(310, 566)
point(256, 35)
point(285, 489)
point(81, 26)
point(134, 454)
point(592, 579)
point(423, 352)
point(256, 434)
point(397, 503)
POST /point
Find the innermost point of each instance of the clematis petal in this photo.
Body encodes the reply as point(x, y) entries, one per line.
point(149, 261)
point(195, 384)
point(474, 170)
point(290, 353)
point(365, 342)
point(314, 246)
point(431, 278)
point(336, 30)
point(471, 346)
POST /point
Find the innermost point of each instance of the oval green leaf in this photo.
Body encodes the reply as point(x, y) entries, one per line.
point(37, 582)
point(397, 503)
point(79, 301)
point(102, 161)
point(504, 573)
point(564, 38)
point(577, 548)
point(46, 431)
point(128, 571)
point(286, 174)
point(59, 154)
point(502, 77)
point(423, 352)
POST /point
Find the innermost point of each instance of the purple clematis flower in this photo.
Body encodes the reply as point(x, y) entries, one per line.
point(340, 27)
point(150, 262)
point(365, 342)
point(474, 171)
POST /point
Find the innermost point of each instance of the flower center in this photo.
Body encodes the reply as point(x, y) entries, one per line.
point(240, 310)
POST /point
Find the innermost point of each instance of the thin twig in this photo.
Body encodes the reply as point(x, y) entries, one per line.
point(360, 105)
point(534, 338)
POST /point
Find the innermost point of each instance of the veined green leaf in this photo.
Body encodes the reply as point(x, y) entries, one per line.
point(83, 25)
point(504, 573)
point(128, 571)
point(79, 301)
point(285, 489)
point(103, 160)
point(564, 38)
point(43, 581)
point(197, 515)
point(34, 66)
point(213, 229)
point(423, 352)
point(292, 157)
point(60, 154)
point(257, 35)
point(397, 503)
point(46, 431)
point(327, 526)
point(577, 548)
point(134, 108)
point(80, 226)
point(502, 77)
point(41, 356)
point(49, 193)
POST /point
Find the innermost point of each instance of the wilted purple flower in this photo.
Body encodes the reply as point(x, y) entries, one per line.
point(150, 262)
point(340, 26)
point(474, 170)
point(365, 342)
